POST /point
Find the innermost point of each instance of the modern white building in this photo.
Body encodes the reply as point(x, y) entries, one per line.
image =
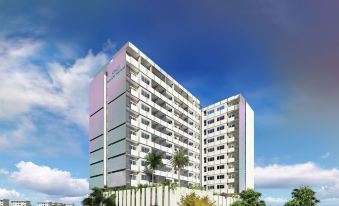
point(228, 145)
point(4, 202)
point(54, 204)
point(136, 107)
point(20, 203)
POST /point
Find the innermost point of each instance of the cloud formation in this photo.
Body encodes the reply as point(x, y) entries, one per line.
point(10, 194)
point(291, 176)
point(50, 181)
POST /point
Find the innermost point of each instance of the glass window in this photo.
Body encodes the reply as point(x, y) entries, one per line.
point(220, 147)
point(145, 94)
point(144, 79)
point(145, 149)
point(145, 122)
point(210, 112)
point(210, 140)
point(210, 131)
point(221, 128)
point(221, 137)
point(221, 108)
point(211, 121)
point(145, 136)
point(145, 108)
point(220, 118)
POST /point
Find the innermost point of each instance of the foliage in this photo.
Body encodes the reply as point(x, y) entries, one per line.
point(194, 200)
point(179, 161)
point(303, 196)
point(153, 160)
point(249, 197)
point(196, 187)
point(96, 198)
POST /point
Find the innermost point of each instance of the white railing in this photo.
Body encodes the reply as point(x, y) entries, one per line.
point(163, 196)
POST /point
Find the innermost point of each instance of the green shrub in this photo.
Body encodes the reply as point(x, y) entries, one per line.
point(194, 200)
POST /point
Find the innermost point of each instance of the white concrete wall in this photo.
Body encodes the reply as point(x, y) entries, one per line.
point(163, 196)
point(249, 147)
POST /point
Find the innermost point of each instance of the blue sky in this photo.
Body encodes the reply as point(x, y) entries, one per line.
point(283, 56)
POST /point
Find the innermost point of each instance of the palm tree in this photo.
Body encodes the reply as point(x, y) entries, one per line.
point(179, 161)
point(249, 197)
point(153, 160)
point(96, 198)
point(303, 196)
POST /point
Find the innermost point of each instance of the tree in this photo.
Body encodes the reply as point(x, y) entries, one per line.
point(303, 196)
point(96, 198)
point(153, 160)
point(179, 161)
point(249, 197)
point(193, 199)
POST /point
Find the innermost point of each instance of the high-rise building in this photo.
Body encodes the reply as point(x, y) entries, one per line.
point(228, 145)
point(20, 203)
point(136, 107)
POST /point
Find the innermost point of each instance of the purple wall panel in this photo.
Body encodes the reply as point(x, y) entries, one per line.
point(96, 124)
point(116, 86)
point(96, 94)
point(118, 62)
point(116, 179)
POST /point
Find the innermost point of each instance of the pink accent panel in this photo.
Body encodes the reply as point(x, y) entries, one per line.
point(116, 86)
point(96, 93)
point(116, 64)
point(116, 179)
point(96, 124)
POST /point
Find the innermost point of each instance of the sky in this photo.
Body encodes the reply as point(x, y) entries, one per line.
point(282, 56)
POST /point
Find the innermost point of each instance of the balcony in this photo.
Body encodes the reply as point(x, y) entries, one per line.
point(231, 139)
point(134, 93)
point(230, 129)
point(230, 170)
point(134, 138)
point(135, 168)
point(230, 160)
point(230, 180)
point(132, 61)
point(134, 122)
point(230, 150)
point(134, 153)
point(134, 107)
point(134, 77)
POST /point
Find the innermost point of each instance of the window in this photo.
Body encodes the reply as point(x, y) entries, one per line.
point(145, 136)
point(132, 162)
point(221, 137)
point(220, 177)
point(220, 167)
point(220, 128)
point(143, 177)
point(211, 159)
point(210, 149)
point(210, 168)
point(133, 177)
point(145, 122)
point(144, 107)
point(211, 121)
point(210, 140)
point(210, 178)
point(145, 149)
point(210, 131)
point(220, 186)
point(144, 79)
point(221, 147)
point(220, 118)
point(211, 187)
point(132, 147)
point(210, 112)
point(205, 141)
point(143, 163)
point(145, 94)
point(221, 108)
point(221, 157)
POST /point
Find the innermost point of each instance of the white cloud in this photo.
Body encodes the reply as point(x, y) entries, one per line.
point(291, 176)
point(326, 155)
point(49, 181)
point(3, 171)
point(274, 200)
point(26, 83)
point(10, 194)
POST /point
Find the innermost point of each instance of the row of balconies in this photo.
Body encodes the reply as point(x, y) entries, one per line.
point(156, 106)
point(169, 88)
point(222, 122)
point(170, 174)
point(223, 161)
point(219, 142)
point(171, 103)
point(227, 110)
point(151, 117)
point(216, 181)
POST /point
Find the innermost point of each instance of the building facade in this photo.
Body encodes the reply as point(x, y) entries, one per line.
point(54, 204)
point(4, 202)
point(135, 108)
point(228, 145)
point(20, 203)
